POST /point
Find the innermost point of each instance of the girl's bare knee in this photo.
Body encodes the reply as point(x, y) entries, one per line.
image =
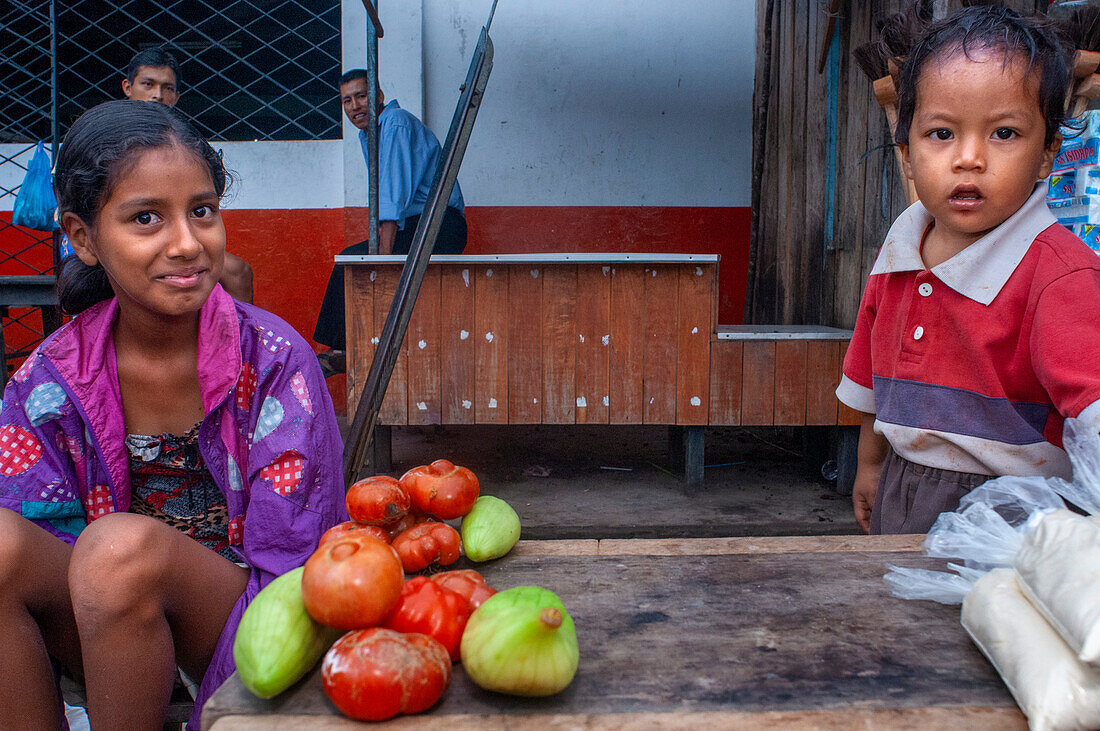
point(114, 563)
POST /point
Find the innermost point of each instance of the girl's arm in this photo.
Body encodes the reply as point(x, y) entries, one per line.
point(871, 456)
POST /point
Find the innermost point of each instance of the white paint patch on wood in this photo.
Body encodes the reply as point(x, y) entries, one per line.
point(466, 404)
point(489, 336)
point(463, 334)
point(422, 344)
point(581, 402)
point(492, 403)
point(696, 401)
point(466, 276)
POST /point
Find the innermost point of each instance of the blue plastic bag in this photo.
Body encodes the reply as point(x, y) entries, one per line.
point(35, 203)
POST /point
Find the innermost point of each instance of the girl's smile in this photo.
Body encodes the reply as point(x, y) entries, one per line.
point(976, 145)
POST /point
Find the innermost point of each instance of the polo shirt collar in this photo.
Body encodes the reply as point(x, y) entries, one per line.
point(980, 270)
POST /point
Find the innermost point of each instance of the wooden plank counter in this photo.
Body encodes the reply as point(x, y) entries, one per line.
point(759, 632)
point(587, 338)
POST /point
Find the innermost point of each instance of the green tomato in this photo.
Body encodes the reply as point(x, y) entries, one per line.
point(490, 529)
point(521, 641)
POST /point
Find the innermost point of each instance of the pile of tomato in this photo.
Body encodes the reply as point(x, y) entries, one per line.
point(404, 634)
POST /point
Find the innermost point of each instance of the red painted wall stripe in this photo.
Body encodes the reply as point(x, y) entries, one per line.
point(291, 251)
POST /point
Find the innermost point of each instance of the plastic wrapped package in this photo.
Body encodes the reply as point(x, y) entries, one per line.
point(1052, 687)
point(1058, 567)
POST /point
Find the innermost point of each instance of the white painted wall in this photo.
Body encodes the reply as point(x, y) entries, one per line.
point(279, 175)
point(302, 174)
point(600, 103)
point(11, 174)
point(590, 102)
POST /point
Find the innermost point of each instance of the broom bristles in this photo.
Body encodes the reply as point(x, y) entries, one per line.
point(872, 59)
point(1082, 28)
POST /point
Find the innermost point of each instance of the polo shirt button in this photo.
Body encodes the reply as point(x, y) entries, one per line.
point(925, 289)
point(918, 333)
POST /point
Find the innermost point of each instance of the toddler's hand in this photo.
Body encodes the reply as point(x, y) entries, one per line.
point(864, 490)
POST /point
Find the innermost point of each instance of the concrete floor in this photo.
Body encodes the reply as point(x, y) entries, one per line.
point(558, 478)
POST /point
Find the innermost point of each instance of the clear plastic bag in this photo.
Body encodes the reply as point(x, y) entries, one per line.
point(35, 202)
point(1053, 688)
point(1022, 524)
point(988, 528)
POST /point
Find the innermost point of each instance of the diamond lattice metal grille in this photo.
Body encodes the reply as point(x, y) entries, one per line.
point(24, 71)
point(251, 69)
point(26, 116)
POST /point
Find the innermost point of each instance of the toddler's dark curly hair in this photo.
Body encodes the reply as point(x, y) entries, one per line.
point(1033, 38)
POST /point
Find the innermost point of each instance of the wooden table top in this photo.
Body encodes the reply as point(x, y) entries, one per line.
point(794, 632)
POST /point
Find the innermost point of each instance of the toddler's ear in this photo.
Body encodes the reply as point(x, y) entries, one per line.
point(1049, 154)
point(906, 166)
point(79, 237)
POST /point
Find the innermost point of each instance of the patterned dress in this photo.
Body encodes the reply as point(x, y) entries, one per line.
point(170, 482)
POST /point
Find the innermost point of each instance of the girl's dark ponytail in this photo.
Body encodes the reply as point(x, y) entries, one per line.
point(93, 154)
point(80, 286)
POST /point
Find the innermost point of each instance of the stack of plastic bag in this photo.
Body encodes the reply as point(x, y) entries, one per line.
point(1073, 189)
point(1028, 578)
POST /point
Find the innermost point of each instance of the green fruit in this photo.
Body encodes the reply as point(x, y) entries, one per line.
point(521, 641)
point(277, 641)
point(490, 529)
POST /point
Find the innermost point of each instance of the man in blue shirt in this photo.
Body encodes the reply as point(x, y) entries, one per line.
point(408, 153)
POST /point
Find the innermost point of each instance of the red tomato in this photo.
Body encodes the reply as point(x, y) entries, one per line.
point(428, 608)
point(466, 582)
point(427, 543)
point(350, 526)
point(415, 516)
point(376, 673)
point(377, 500)
point(442, 489)
point(352, 582)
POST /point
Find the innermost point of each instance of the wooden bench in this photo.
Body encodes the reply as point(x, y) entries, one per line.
point(793, 633)
point(585, 339)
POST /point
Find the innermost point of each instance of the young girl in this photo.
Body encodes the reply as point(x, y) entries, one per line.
point(163, 455)
point(979, 328)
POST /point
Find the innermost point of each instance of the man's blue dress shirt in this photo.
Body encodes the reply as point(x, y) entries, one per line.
point(408, 153)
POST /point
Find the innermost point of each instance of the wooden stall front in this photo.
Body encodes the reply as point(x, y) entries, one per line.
point(586, 339)
point(794, 633)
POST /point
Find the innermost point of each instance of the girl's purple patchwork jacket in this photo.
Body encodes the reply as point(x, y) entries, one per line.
point(269, 439)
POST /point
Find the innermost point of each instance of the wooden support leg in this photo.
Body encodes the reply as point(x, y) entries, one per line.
point(816, 450)
point(381, 455)
point(847, 455)
point(693, 456)
point(676, 448)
